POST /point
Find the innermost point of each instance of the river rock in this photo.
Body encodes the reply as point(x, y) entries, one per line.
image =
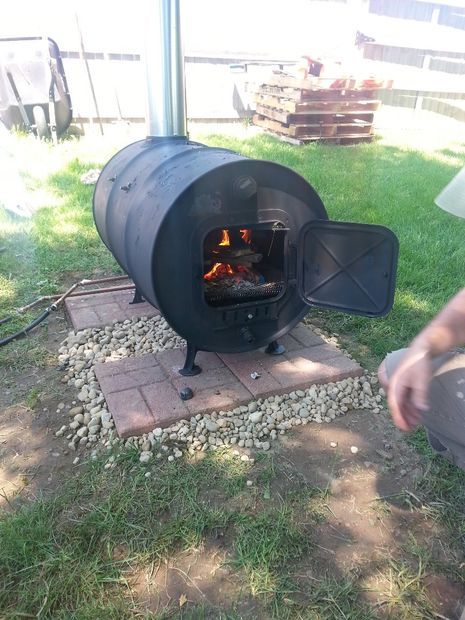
point(256, 417)
point(211, 426)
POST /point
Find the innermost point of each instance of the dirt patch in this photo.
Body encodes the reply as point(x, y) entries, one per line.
point(365, 470)
point(197, 578)
point(32, 459)
point(447, 595)
point(369, 517)
point(366, 526)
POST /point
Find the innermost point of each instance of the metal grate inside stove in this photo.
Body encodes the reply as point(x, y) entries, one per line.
point(227, 296)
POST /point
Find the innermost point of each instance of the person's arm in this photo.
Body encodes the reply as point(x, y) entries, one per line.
point(408, 386)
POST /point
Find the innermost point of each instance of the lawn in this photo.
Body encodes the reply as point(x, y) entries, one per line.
point(85, 546)
point(372, 183)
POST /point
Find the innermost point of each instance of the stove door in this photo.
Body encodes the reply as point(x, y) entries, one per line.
point(348, 267)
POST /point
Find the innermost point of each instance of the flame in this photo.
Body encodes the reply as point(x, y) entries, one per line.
point(219, 269)
point(225, 269)
point(246, 234)
point(224, 237)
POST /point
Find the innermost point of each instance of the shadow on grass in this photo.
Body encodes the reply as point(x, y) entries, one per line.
point(311, 538)
point(75, 552)
point(77, 549)
point(194, 541)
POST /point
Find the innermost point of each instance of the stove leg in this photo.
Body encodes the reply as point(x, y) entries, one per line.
point(190, 369)
point(274, 348)
point(137, 299)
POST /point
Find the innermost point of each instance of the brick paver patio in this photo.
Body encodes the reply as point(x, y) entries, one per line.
point(102, 309)
point(143, 392)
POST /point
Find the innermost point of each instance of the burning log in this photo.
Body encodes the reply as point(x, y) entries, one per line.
point(238, 254)
point(238, 257)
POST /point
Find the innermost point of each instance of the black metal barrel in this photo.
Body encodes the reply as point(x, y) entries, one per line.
point(157, 200)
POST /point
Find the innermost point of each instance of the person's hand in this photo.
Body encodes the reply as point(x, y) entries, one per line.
point(407, 389)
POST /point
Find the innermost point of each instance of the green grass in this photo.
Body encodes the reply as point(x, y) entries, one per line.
point(69, 555)
point(62, 555)
point(73, 553)
point(443, 493)
point(65, 237)
point(56, 247)
point(264, 543)
point(32, 398)
point(58, 242)
point(407, 598)
point(372, 183)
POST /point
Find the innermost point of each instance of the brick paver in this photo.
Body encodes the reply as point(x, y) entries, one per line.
point(173, 359)
point(102, 309)
point(130, 412)
point(164, 403)
point(226, 397)
point(244, 364)
point(143, 392)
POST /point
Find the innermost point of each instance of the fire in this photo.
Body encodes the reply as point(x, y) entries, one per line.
point(224, 237)
point(225, 269)
point(246, 235)
point(218, 270)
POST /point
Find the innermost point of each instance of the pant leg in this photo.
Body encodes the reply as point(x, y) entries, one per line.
point(445, 420)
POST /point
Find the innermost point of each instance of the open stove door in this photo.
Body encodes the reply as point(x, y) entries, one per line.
point(348, 267)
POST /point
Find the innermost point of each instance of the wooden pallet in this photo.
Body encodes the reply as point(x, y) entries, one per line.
point(309, 110)
point(359, 106)
point(314, 131)
point(316, 116)
point(323, 83)
point(327, 94)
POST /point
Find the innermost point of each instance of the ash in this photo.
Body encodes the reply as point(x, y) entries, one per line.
point(233, 283)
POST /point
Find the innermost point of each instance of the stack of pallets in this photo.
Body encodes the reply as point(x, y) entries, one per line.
point(304, 110)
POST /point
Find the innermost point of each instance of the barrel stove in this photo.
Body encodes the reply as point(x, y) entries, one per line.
point(232, 251)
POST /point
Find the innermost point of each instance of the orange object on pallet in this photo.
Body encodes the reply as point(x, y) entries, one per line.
point(318, 107)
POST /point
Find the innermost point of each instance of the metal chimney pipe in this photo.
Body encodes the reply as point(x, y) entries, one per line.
point(164, 63)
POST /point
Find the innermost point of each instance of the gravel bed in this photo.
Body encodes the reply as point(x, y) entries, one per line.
point(252, 426)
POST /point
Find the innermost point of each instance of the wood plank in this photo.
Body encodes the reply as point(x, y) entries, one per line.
point(313, 117)
point(302, 96)
point(305, 131)
point(288, 81)
point(317, 107)
point(321, 131)
point(312, 83)
point(277, 103)
point(326, 131)
point(324, 125)
point(345, 123)
point(351, 130)
point(276, 115)
point(272, 125)
point(292, 94)
point(317, 83)
point(318, 131)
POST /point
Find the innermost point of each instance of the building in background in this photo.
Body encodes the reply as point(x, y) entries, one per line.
point(423, 44)
point(230, 43)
